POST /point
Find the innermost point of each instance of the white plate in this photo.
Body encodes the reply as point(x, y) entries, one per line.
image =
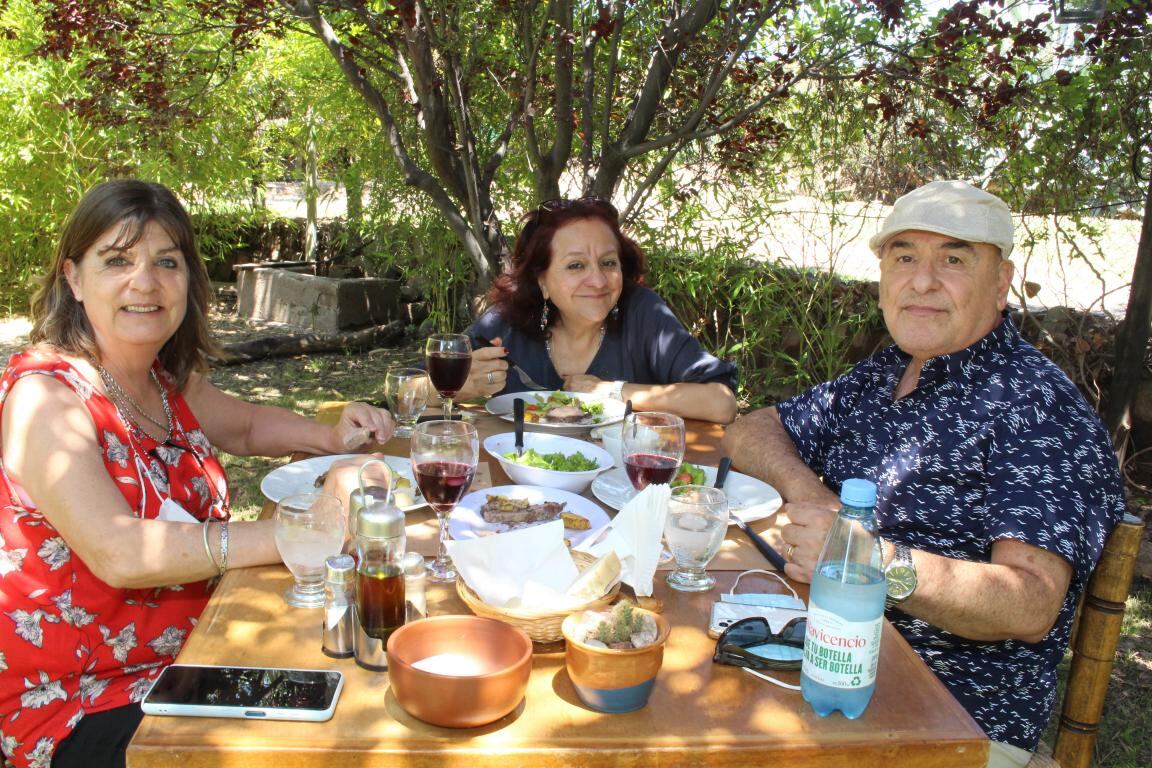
point(748, 498)
point(502, 406)
point(466, 522)
point(300, 476)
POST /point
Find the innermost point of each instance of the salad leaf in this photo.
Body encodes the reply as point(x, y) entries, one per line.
point(558, 462)
point(689, 474)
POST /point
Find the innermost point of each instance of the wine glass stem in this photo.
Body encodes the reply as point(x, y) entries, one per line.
point(442, 552)
point(447, 417)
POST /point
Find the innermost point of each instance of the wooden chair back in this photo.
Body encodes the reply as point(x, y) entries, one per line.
point(1094, 639)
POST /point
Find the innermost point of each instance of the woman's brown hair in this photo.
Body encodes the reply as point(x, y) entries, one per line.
point(60, 320)
point(517, 291)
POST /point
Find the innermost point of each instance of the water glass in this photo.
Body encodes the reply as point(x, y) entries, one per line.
point(695, 527)
point(309, 527)
point(406, 390)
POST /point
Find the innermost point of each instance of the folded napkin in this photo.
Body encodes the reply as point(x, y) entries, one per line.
point(634, 534)
point(526, 569)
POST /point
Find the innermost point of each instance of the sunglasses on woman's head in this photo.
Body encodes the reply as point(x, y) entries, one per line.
point(752, 643)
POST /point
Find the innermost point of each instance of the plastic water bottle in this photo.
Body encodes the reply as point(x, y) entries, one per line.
point(846, 609)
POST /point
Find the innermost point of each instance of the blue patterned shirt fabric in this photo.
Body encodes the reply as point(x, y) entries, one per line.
point(994, 443)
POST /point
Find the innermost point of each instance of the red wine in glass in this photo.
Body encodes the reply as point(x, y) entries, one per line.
point(443, 483)
point(448, 371)
point(645, 469)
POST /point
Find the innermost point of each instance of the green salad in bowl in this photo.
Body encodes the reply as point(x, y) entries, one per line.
point(557, 462)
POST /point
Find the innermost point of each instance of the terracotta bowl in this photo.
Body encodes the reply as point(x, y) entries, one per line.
point(611, 680)
point(459, 671)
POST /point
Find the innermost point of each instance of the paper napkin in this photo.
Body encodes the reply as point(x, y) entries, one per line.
point(635, 535)
point(528, 568)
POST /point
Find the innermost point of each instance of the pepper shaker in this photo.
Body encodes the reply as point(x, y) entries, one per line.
point(415, 574)
point(339, 627)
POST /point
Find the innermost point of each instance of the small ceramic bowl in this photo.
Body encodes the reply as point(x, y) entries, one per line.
point(612, 438)
point(459, 671)
point(611, 680)
point(576, 482)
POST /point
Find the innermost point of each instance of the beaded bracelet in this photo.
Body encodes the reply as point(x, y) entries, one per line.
point(207, 548)
point(223, 546)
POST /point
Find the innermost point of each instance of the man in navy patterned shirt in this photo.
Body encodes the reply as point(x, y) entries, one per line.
point(997, 481)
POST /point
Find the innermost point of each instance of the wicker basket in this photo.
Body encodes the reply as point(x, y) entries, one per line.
point(541, 627)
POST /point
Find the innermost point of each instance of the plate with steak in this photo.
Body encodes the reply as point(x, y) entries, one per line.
point(562, 412)
point(508, 507)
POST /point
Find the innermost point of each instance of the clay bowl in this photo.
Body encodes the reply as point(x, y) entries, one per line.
point(611, 680)
point(459, 671)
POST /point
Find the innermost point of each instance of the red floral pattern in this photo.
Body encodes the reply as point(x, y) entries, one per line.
point(69, 643)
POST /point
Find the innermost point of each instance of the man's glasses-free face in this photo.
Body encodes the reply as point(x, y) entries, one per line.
point(752, 643)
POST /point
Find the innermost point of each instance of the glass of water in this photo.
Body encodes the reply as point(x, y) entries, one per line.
point(695, 527)
point(406, 390)
point(309, 527)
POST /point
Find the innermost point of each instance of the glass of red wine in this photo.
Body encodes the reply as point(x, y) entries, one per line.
point(653, 447)
point(444, 455)
point(449, 358)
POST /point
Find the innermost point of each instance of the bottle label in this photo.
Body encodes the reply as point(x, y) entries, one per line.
point(839, 653)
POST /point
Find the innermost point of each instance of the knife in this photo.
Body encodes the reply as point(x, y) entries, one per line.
point(774, 557)
point(518, 414)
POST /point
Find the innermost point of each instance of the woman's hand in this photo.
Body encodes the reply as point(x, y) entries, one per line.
point(343, 476)
point(359, 422)
point(488, 374)
point(584, 382)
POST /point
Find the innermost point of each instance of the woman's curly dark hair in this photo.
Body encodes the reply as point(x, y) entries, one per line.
point(517, 292)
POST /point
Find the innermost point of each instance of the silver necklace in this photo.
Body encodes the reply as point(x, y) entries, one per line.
point(122, 398)
point(599, 343)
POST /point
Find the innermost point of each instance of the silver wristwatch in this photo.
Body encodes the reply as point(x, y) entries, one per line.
point(900, 574)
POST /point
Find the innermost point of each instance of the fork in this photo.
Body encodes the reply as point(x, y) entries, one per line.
point(524, 377)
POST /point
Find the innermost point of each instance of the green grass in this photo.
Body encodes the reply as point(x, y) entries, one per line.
point(300, 384)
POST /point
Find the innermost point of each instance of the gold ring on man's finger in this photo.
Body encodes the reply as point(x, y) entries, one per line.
point(790, 552)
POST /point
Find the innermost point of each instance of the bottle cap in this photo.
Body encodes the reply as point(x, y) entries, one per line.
point(413, 564)
point(858, 493)
point(380, 521)
point(338, 568)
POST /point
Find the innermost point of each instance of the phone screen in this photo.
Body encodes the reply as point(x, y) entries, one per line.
point(307, 689)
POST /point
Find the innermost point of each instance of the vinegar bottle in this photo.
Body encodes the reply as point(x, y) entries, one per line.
point(846, 609)
point(380, 608)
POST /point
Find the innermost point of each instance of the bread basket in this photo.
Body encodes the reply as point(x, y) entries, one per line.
point(542, 627)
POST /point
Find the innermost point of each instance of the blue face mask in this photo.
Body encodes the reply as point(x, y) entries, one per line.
point(765, 599)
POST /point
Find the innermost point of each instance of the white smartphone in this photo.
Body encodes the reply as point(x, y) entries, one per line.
point(245, 692)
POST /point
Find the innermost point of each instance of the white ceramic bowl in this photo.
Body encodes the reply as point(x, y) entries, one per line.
point(543, 442)
point(611, 437)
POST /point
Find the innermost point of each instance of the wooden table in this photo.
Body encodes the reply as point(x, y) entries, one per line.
point(699, 714)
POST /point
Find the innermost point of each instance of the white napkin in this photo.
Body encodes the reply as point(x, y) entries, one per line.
point(528, 568)
point(635, 534)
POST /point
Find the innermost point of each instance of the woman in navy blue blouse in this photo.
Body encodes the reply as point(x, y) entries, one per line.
point(573, 312)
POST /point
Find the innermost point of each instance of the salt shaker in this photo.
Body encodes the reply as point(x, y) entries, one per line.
point(414, 576)
point(380, 603)
point(339, 627)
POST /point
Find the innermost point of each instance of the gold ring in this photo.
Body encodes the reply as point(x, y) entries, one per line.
point(791, 550)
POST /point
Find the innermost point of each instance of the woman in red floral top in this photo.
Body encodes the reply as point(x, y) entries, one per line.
point(113, 507)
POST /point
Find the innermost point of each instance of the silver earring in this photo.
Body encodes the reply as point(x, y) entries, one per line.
point(615, 311)
point(544, 317)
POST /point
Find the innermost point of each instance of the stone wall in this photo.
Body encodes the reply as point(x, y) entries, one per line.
point(316, 304)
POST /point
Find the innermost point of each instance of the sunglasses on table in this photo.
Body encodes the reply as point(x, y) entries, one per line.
point(751, 643)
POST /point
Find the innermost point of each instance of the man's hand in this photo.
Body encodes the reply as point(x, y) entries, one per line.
point(804, 537)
